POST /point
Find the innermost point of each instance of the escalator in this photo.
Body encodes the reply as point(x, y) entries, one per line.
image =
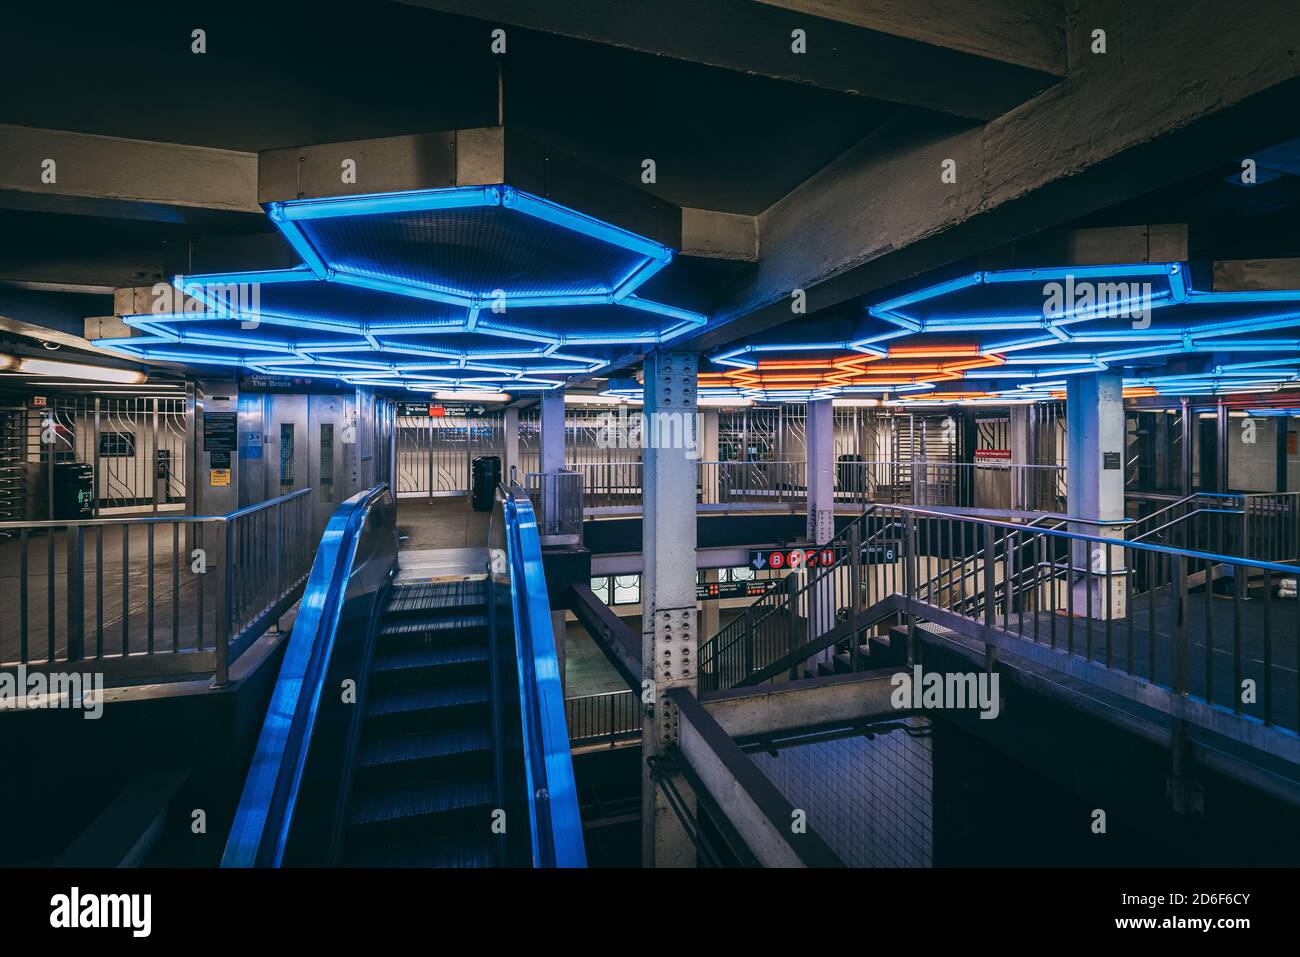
point(415, 723)
point(424, 781)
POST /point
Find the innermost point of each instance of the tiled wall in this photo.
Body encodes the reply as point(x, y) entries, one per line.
point(871, 801)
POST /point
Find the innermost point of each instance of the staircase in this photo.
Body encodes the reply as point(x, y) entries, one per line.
point(426, 778)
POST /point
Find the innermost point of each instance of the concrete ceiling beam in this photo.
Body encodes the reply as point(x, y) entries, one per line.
point(1146, 113)
point(891, 56)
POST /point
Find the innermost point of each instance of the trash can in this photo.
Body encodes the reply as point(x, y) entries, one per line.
point(851, 476)
point(485, 476)
point(74, 484)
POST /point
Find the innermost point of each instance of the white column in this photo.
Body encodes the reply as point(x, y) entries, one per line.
point(709, 477)
point(820, 431)
point(511, 429)
point(552, 429)
point(1022, 481)
point(1095, 480)
point(669, 620)
point(821, 471)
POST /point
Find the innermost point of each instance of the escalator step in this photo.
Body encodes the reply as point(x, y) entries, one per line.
point(435, 596)
point(406, 701)
point(426, 745)
point(425, 624)
point(430, 657)
point(423, 799)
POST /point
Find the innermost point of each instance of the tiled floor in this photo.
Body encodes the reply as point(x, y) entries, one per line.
point(586, 669)
point(441, 523)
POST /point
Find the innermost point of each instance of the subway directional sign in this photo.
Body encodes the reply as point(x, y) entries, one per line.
point(822, 557)
point(780, 558)
point(714, 591)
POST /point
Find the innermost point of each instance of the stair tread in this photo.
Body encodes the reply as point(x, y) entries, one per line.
point(396, 748)
point(434, 596)
point(431, 657)
point(426, 699)
point(421, 799)
point(432, 624)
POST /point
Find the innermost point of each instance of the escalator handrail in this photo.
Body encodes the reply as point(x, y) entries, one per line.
point(552, 795)
point(264, 815)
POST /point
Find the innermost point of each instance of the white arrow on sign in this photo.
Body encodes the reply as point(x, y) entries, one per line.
point(759, 561)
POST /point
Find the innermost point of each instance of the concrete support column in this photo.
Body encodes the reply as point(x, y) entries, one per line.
point(820, 432)
point(821, 472)
point(552, 429)
point(511, 430)
point(1023, 481)
point(709, 477)
point(1095, 482)
point(669, 618)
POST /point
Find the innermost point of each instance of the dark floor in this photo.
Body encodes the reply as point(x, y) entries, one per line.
point(445, 522)
point(1215, 626)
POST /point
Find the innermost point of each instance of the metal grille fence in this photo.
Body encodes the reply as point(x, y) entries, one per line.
point(146, 596)
point(606, 718)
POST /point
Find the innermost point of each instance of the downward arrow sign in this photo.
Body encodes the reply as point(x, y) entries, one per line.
point(759, 561)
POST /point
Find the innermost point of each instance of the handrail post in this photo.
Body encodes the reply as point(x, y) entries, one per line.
point(855, 599)
point(909, 582)
point(792, 591)
point(76, 548)
point(221, 638)
point(990, 609)
point(1181, 652)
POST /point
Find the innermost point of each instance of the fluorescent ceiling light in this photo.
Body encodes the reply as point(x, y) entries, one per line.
point(716, 402)
point(466, 396)
point(578, 399)
point(29, 365)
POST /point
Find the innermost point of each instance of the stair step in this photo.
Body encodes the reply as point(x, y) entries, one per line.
point(422, 799)
point(396, 749)
point(435, 596)
point(416, 701)
point(435, 656)
point(432, 624)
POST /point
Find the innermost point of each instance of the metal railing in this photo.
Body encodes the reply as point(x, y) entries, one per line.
point(146, 596)
point(921, 481)
point(608, 717)
point(559, 505)
point(1259, 525)
point(612, 487)
point(552, 797)
point(309, 735)
point(1200, 636)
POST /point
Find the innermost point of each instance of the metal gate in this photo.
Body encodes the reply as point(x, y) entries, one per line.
point(434, 452)
point(136, 446)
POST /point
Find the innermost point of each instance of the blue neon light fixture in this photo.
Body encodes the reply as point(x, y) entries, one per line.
point(483, 279)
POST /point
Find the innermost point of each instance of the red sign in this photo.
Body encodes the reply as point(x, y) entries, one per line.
point(997, 455)
point(437, 411)
point(792, 558)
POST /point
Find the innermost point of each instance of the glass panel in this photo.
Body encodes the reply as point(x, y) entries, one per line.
point(286, 453)
point(627, 589)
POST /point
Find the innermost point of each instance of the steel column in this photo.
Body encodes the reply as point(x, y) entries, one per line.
point(669, 646)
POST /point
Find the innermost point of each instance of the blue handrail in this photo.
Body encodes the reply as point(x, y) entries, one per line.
point(265, 813)
point(552, 795)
